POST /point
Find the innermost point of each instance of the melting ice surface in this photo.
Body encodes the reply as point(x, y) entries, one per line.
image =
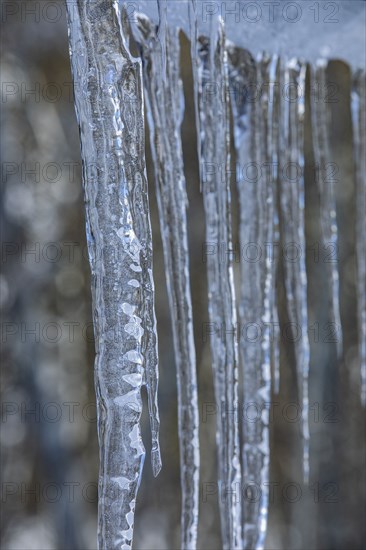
point(109, 106)
point(226, 50)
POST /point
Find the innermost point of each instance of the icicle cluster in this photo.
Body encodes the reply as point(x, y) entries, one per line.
point(267, 96)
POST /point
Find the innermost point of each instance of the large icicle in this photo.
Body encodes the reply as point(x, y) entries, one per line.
point(255, 104)
point(358, 104)
point(109, 106)
point(328, 214)
point(213, 141)
point(165, 110)
point(292, 195)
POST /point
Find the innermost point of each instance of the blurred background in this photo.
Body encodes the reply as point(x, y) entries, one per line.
point(49, 449)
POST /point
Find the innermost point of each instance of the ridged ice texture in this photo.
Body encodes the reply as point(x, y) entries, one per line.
point(213, 140)
point(165, 105)
point(255, 104)
point(328, 215)
point(109, 106)
point(358, 104)
point(293, 227)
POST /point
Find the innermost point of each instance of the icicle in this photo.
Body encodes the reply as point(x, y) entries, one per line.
point(165, 110)
point(293, 226)
point(256, 143)
point(358, 104)
point(213, 139)
point(266, 195)
point(328, 215)
point(109, 106)
point(273, 159)
point(193, 27)
point(162, 31)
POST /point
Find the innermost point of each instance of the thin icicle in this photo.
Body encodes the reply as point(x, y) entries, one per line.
point(164, 96)
point(255, 103)
point(328, 214)
point(273, 159)
point(358, 104)
point(267, 195)
point(293, 226)
point(162, 32)
point(193, 27)
point(109, 106)
point(213, 139)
